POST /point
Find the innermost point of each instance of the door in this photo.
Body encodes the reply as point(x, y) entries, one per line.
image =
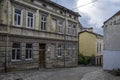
point(42, 55)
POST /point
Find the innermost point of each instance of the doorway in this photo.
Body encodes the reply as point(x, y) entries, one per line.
point(42, 55)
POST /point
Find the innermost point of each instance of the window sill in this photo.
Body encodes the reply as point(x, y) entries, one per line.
point(17, 25)
point(15, 60)
point(30, 27)
point(59, 56)
point(28, 59)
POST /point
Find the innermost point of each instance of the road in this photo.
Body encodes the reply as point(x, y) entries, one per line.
point(51, 74)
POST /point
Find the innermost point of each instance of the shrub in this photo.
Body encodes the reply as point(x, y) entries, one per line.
point(86, 60)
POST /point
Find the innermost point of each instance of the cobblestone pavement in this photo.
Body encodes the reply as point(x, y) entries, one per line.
point(87, 73)
point(99, 75)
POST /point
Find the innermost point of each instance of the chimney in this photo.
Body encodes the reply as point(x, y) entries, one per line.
point(88, 29)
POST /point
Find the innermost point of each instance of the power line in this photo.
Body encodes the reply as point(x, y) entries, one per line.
point(85, 4)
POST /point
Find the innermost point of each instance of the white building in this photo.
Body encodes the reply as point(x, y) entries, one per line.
point(111, 53)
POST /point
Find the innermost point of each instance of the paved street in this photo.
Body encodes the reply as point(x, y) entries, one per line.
point(78, 73)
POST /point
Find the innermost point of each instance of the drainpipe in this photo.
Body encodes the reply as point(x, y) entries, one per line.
point(65, 38)
point(7, 38)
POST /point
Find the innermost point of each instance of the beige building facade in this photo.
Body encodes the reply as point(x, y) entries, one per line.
point(91, 44)
point(37, 34)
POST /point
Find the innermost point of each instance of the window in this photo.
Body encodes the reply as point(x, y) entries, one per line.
point(114, 22)
point(59, 49)
point(43, 22)
point(70, 15)
point(54, 25)
point(97, 47)
point(100, 47)
point(16, 51)
point(44, 5)
point(28, 54)
point(75, 18)
point(61, 12)
point(60, 26)
point(74, 31)
point(30, 20)
point(71, 49)
point(69, 28)
point(17, 17)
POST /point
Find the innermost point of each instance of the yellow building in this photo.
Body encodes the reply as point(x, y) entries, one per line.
point(90, 44)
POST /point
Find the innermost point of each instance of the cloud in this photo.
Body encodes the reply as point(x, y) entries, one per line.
point(93, 15)
point(97, 12)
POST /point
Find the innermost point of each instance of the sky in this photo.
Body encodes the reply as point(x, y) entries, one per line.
point(94, 14)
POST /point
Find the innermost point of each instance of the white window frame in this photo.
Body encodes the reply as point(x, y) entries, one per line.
point(31, 26)
point(44, 23)
point(69, 28)
point(16, 50)
point(21, 17)
point(59, 51)
point(29, 50)
point(60, 27)
point(54, 24)
point(74, 31)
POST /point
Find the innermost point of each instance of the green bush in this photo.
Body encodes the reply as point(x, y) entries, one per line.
point(86, 60)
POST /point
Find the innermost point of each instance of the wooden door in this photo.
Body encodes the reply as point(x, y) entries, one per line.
point(42, 55)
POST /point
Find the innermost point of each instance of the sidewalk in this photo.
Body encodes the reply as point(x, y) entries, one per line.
point(99, 75)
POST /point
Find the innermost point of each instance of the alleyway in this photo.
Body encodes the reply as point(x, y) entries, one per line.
point(78, 73)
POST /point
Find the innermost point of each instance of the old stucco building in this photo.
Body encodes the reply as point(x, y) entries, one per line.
point(37, 34)
point(91, 44)
point(111, 53)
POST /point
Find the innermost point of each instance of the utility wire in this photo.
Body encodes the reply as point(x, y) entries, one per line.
point(85, 4)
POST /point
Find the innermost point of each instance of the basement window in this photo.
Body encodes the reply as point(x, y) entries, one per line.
point(19, 79)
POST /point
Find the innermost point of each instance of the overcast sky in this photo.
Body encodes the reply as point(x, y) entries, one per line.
point(94, 14)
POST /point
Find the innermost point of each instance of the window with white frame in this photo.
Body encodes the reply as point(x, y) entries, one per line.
point(59, 50)
point(54, 25)
point(43, 22)
point(30, 20)
point(28, 54)
point(60, 26)
point(97, 47)
point(16, 51)
point(69, 28)
point(17, 17)
point(71, 49)
point(74, 31)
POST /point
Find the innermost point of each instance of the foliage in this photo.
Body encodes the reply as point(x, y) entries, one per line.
point(116, 72)
point(1, 1)
point(86, 60)
point(82, 59)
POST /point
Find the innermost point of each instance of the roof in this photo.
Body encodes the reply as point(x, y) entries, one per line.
point(116, 14)
point(96, 34)
point(61, 7)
